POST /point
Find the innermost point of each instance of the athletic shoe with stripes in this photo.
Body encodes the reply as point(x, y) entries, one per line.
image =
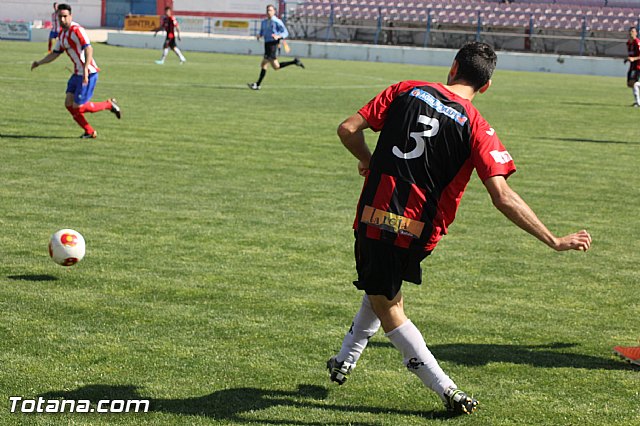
point(338, 370)
point(115, 108)
point(459, 402)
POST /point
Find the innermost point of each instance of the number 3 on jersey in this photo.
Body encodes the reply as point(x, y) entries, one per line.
point(418, 137)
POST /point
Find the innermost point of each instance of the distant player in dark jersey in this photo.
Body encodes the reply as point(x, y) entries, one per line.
point(272, 29)
point(169, 24)
point(74, 40)
point(633, 57)
point(53, 34)
point(431, 140)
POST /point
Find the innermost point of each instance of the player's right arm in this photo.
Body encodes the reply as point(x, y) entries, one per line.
point(351, 135)
point(49, 58)
point(160, 27)
point(262, 32)
point(516, 209)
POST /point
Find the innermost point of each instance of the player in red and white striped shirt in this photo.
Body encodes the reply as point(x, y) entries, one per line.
point(74, 40)
point(53, 34)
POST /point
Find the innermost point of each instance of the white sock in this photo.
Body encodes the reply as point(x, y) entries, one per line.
point(636, 91)
point(364, 325)
point(179, 53)
point(164, 54)
point(418, 359)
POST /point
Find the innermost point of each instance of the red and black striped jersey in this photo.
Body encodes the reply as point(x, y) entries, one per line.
point(633, 49)
point(169, 23)
point(431, 140)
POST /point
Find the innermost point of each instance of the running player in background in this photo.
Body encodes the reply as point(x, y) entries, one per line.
point(170, 25)
point(53, 34)
point(431, 139)
point(74, 40)
point(633, 57)
point(273, 30)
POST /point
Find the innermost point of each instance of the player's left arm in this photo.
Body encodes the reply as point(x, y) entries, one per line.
point(281, 31)
point(518, 211)
point(351, 134)
point(88, 59)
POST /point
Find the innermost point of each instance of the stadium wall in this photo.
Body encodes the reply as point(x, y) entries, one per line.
point(86, 12)
point(374, 53)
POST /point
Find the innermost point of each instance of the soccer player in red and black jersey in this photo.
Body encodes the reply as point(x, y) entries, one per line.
point(431, 140)
point(170, 25)
point(633, 57)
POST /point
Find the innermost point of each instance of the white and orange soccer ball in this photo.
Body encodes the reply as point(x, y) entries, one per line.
point(66, 247)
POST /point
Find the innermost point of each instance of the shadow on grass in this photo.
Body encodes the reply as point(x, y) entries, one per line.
point(231, 404)
point(545, 356)
point(4, 135)
point(583, 140)
point(32, 277)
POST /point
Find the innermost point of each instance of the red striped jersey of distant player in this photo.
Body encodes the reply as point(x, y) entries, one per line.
point(408, 190)
point(55, 24)
point(169, 23)
point(633, 49)
point(73, 40)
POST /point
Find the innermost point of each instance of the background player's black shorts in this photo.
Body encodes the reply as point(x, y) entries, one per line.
point(271, 49)
point(382, 267)
point(633, 75)
point(170, 42)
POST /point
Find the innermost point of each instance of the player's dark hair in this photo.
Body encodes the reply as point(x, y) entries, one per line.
point(633, 28)
point(270, 5)
point(64, 6)
point(476, 63)
point(167, 8)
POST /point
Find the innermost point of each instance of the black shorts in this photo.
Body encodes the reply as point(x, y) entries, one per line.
point(633, 75)
point(382, 267)
point(271, 50)
point(170, 42)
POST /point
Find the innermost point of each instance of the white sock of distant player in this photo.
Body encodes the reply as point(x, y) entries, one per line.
point(364, 325)
point(179, 53)
point(418, 359)
point(164, 54)
point(636, 91)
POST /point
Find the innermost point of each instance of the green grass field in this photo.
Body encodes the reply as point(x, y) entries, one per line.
point(217, 279)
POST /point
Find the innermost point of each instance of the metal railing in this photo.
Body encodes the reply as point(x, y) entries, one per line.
point(382, 29)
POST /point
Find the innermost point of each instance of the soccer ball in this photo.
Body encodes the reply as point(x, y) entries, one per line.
point(66, 247)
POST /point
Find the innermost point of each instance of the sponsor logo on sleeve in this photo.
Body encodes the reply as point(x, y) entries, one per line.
point(502, 157)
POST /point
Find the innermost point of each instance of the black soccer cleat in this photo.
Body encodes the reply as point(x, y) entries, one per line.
point(89, 135)
point(115, 108)
point(253, 86)
point(459, 402)
point(298, 62)
point(338, 370)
